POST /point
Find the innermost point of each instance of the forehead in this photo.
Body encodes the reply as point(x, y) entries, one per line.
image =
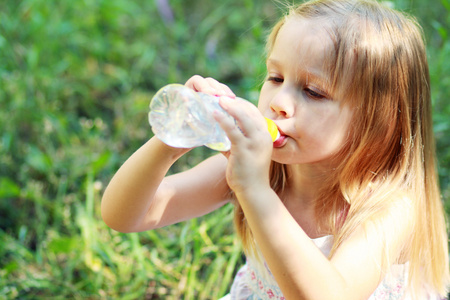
point(302, 44)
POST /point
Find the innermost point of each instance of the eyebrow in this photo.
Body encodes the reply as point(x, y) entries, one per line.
point(311, 76)
point(272, 61)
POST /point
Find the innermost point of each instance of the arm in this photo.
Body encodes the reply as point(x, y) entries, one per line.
point(140, 197)
point(300, 268)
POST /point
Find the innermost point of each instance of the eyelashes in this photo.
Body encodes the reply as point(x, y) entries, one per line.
point(310, 92)
point(314, 94)
point(275, 79)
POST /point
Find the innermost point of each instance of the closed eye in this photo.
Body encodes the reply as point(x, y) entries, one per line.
point(315, 95)
point(275, 79)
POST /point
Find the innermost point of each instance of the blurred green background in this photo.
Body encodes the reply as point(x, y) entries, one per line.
point(76, 78)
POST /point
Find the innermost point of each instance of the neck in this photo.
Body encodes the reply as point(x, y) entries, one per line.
point(304, 183)
point(301, 193)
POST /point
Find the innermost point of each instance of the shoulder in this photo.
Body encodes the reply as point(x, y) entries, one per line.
point(374, 244)
point(386, 226)
point(395, 220)
point(391, 227)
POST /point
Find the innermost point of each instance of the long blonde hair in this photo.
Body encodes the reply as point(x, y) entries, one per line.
point(379, 64)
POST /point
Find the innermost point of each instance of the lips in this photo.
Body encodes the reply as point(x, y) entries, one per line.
point(280, 142)
point(281, 138)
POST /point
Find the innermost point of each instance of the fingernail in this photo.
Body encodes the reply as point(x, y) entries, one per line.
point(229, 94)
point(220, 93)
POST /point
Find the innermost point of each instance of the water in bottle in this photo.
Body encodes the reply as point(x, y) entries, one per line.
point(183, 118)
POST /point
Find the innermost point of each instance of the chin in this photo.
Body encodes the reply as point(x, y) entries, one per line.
point(282, 156)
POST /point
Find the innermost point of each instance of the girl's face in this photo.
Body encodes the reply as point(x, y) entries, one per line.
point(313, 123)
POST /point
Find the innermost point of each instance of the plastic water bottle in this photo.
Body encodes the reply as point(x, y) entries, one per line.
point(183, 118)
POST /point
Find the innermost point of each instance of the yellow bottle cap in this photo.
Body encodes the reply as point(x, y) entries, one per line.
point(273, 129)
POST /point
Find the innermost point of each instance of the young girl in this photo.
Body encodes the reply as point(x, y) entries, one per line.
point(345, 204)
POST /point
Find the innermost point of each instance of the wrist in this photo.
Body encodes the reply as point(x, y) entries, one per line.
point(163, 148)
point(253, 192)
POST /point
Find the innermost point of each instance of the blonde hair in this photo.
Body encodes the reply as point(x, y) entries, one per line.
point(379, 65)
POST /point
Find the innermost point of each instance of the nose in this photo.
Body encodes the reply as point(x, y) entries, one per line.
point(283, 104)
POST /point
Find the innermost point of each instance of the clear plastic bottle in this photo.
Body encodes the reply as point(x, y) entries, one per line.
point(182, 118)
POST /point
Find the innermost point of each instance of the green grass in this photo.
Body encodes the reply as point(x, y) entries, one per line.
point(76, 78)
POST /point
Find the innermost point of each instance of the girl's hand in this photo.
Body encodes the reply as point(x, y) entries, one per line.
point(209, 86)
point(251, 145)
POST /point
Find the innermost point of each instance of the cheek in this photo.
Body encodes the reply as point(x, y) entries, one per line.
point(263, 102)
point(328, 127)
point(341, 129)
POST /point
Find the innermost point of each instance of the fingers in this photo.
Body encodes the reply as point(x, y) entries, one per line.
point(248, 129)
point(247, 115)
point(209, 86)
point(228, 124)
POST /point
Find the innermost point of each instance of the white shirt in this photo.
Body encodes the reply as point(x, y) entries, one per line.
point(255, 281)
